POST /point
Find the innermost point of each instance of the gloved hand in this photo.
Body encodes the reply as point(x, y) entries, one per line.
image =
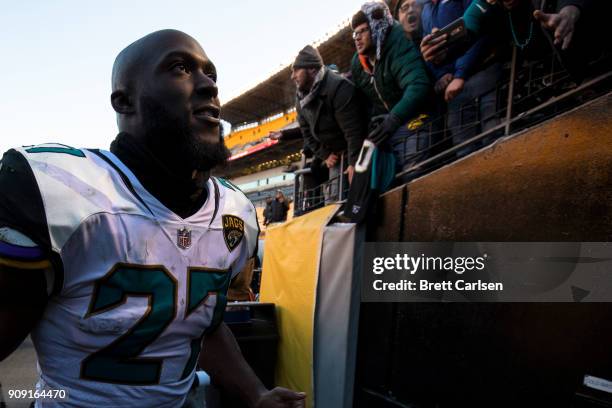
point(382, 127)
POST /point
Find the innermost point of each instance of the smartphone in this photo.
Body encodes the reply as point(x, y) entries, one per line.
point(455, 32)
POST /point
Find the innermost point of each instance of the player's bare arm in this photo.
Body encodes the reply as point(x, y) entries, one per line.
point(222, 359)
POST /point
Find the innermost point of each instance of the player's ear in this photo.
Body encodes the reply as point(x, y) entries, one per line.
point(122, 102)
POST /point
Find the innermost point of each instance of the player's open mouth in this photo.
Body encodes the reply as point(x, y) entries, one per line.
point(208, 113)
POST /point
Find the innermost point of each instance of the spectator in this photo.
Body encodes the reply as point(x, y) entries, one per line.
point(517, 21)
point(329, 113)
point(267, 212)
point(389, 70)
point(279, 207)
point(561, 22)
point(466, 82)
point(408, 13)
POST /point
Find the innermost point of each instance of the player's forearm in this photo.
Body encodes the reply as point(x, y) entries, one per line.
point(222, 359)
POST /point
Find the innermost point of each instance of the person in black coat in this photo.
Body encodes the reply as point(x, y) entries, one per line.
point(279, 208)
point(330, 113)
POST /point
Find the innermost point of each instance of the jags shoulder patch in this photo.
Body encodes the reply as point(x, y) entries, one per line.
point(233, 231)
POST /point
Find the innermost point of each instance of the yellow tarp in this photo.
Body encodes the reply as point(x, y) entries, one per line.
point(289, 279)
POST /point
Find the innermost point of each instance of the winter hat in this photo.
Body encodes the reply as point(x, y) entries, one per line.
point(308, 57)
point(380, 20)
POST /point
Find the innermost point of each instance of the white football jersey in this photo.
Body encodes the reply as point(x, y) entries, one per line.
point(140, 285)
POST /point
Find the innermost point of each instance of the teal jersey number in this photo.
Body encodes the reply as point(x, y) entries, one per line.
point(52, 149)
point(198, 289)
point(119, 362)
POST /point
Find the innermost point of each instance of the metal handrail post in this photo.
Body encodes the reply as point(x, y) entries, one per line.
point(341, 178)
point(511, 91)
point(296, 194)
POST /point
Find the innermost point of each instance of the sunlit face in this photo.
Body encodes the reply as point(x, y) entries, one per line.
point(409, 15)
point(183, 84)
point(178, 105)
point(363, 38)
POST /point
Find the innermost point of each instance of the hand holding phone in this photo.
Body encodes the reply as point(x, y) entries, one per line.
point(435, 46)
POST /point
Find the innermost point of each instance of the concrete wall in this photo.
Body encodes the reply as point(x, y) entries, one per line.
point(549, 183)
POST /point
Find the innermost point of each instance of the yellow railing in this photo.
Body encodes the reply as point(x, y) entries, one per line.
point(258, 132)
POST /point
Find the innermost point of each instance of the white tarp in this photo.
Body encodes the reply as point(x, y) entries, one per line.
point(337, 317)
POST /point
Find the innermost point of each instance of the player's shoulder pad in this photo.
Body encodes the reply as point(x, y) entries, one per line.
point(80, 177)
point(53, 148)
point(236, 213)
point(54, 155)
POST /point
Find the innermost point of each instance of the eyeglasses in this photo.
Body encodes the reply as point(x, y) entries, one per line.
point(358, 33)
point(405, 7)
point(415, 6)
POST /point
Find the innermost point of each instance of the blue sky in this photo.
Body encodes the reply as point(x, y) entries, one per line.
point(57, 55)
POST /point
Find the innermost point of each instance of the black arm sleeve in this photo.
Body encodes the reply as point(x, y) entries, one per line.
point(21, 205)
point(292, 133)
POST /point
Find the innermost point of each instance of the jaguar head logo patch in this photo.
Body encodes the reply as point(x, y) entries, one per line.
point(233, 231)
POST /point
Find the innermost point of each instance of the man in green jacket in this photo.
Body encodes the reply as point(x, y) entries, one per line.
point(389, 70)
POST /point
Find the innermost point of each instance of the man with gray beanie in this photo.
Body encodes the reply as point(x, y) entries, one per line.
point(329, 113)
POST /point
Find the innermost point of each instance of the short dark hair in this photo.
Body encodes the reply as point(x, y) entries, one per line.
point(358, 19)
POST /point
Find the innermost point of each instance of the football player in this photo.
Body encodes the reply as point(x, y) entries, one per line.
point(118, 262)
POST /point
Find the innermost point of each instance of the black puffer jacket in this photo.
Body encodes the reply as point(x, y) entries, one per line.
point(399, 83)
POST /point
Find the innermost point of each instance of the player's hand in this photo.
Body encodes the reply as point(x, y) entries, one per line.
point(331, 160)
point(562, 23)
point(433, 49)
point(280, 397)
point(350, 172)
point(453, 89)
point(275, 135)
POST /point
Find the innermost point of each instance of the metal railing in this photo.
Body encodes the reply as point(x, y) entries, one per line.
point(534, 92)
point(308, 198)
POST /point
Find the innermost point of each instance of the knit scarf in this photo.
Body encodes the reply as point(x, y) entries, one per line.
point(305, 99)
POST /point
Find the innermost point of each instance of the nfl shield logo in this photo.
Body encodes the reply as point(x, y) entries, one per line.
point(183, 238)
